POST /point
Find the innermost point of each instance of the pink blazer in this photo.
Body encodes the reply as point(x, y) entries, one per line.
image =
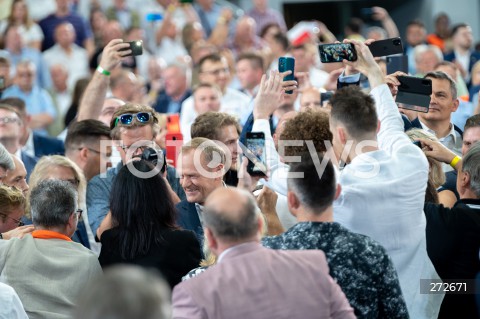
point(255, 282)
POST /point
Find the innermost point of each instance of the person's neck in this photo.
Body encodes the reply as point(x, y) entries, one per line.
point(467, 194)
point(206, 7)
point(223, 246)
point(60, 230)
point(282, 109)
point(62, 12)
point(462, 50)
point(261, 10)
point(61, 88)
point(68, 48)
point(24, 138)
point(356, 150)
point(177, 96)
point(441, 128)
point(11, 144)
point(306, 215)
point(26, 89)
point(15, 50)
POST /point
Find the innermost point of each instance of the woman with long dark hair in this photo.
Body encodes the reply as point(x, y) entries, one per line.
point(144, 230)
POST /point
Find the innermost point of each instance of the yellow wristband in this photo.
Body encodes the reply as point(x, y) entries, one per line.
point(171, 8)
point(221, 20)
point(102, 71)
point(455, 161)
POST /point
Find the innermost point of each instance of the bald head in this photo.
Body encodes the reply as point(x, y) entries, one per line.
point(232, 215)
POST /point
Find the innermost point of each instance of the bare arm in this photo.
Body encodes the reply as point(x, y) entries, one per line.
point(219, 35)
point(40, 121)
point(388, 24)
point(267, 201)
point(95, 93)
point(105, 225)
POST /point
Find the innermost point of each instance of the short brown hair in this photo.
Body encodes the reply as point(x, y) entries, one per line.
point(17, 104)
point(132, 108)
point(307, 126)
point(256, 60)
point(86, 131)
point(208, 125)
point(472, 121)
point(354, 109)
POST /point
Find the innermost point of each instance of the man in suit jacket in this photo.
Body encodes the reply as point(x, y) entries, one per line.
point(250, 281)
point(176, 90)
point(462, 53)
point(202, 169)
point(33, 144)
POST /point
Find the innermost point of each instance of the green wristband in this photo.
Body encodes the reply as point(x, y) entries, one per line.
point(102, 71)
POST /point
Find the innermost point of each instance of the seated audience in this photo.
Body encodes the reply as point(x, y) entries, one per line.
point(143, 229)
point(232, 228)
point(176, 89)
point(62, 267)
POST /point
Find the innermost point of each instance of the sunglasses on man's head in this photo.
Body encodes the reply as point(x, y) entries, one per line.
point(127, 118)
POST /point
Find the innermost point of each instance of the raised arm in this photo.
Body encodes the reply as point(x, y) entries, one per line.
point(94, 95)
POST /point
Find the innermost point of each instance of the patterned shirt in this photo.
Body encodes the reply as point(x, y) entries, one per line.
point(360, 266)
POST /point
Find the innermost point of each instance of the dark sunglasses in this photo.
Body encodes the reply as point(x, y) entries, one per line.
point(127, 118)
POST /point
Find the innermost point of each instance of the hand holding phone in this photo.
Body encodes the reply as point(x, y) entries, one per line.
point(337, 52)
point(136, 47)
point(287, 64)
point(256, 154)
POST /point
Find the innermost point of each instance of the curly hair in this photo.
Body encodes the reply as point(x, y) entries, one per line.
point(307, 126)
point(10, 198)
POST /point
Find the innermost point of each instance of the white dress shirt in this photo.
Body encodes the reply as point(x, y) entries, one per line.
point(383, 194)
point(12, 307)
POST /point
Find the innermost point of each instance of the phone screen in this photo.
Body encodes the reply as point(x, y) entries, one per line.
point(337, 52)
point(256, 153)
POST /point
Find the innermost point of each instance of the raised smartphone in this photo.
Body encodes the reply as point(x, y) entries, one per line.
point(286, 63)
point(414, 93)
point(136, 47)
point(256, 154)
point(337, 52)
point(386, 47)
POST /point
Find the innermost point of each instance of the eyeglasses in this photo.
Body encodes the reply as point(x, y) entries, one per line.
point(217, 71)
point(6, 120)
point(17, 221)
point(127, 118)
point(79, 213)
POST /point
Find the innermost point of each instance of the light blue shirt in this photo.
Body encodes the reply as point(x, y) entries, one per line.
point(37, 101)
point(43, 78)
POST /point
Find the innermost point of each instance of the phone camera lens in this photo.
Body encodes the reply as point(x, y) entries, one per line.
point(396, 42)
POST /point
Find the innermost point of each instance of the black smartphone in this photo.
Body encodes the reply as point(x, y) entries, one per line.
point(414, 93)
point(337, 52)
point(286, 63)
point(366, 12)
point(397, 63)
point(255, 153)
point(136, 47)
point(386, 47)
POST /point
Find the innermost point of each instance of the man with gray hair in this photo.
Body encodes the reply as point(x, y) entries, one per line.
point(61, 266)
point(176, 90)
point(272, 283)
point(453, 234)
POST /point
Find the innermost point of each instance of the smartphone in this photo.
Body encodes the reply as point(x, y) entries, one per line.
point(174, 142)
point(136, 47)
point(414, 93)
point(186, 1)
point(386, 47)
point(325, 97)
point(366, 12)
point(256, 154)
point(397, 63)
point(286, 63)
point(337, 52)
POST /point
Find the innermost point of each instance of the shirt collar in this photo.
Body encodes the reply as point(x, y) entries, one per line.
point(452, 131)
point(229, 250)
point(48, 234)
point(29, 148)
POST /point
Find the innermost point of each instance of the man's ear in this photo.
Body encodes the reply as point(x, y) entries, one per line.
point(379, 125)
point(455, 105)
point(338, 191)
point(342, 135)
point(210, 238)
point(293, 203)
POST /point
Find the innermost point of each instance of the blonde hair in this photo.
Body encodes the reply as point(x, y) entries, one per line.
point(436, 174)
point(10, 198)
point(115, 128)
point(42, 170)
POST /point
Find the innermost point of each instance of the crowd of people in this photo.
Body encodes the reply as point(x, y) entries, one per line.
point(126, 189)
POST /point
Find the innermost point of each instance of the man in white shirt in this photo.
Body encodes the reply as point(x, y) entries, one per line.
point(213, 69)
point(67, 53)
point(12, 307)
point(384, 180)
